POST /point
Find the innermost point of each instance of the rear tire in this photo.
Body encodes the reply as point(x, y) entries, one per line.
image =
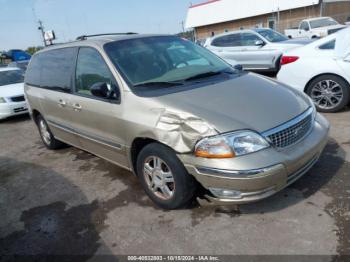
point(46, 135)
point(164, 177)
point(330, 93)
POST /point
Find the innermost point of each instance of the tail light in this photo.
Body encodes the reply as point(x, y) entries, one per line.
point(288, 59)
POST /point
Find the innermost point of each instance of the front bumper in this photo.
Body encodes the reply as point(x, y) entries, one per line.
point(257, 176)
point(12, 109)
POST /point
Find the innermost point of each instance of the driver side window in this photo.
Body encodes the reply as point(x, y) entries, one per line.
point(304, 26)
point(91, 69)
point(249, 39)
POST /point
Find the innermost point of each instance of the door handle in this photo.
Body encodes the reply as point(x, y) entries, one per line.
point(62, 103)
point(77, 107)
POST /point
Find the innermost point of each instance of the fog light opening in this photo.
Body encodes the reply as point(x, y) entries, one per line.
point(225, 193)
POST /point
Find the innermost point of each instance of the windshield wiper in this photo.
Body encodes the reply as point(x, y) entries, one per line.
point(160, 84)
point(208, 74)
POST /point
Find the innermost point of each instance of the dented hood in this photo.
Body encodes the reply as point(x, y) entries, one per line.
point(246, 102)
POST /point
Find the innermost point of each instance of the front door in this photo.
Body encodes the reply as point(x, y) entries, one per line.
point(228, 47)
point(253, 53)
point(97, 121)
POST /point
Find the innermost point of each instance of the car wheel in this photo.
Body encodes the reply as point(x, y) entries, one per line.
point(329, 93)
point(46, 135)
point(164, 177)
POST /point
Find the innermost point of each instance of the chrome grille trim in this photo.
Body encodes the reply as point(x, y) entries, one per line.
point(292, 131)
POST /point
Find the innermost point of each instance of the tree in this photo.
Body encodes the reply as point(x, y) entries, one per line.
point(33, 49)
point(188, 35)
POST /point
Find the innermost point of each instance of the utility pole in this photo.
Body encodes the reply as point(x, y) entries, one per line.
point(41, 28)
point(183, 26)
point(321, 8)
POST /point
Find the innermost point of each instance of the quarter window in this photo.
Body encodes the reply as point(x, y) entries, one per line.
point(32, 76)
point(328, 46)
point(91, 69)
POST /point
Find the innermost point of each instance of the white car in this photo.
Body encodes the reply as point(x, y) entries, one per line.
point(314, 28)
point(12, 100)
point(322, 70)
point(259, 49)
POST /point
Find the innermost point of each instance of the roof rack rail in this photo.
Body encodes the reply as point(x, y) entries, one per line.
point(84, 37)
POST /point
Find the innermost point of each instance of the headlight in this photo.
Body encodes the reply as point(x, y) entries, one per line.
point(2, 100)
point(231, 145)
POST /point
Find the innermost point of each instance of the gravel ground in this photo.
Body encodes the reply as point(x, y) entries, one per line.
point(71, 202)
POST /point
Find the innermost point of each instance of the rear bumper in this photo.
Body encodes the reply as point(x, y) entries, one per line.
point(280, 169)
point(13, 109)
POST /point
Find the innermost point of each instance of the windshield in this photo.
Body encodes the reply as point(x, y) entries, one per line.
point(271, 35)
point(162, 59)
point(323, 22)
point(11, 77)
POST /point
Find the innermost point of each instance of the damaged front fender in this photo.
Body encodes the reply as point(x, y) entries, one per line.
point(181, 130)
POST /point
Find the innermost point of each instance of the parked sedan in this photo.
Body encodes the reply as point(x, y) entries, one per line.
point(12, 101)
point(322, 70)
point(259, 49)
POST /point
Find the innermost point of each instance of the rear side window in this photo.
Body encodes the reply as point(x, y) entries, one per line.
point(32, 76)
point(328, 46)
point(57, 68)
point(91, 69)
point(232, 40)
point(249, 39)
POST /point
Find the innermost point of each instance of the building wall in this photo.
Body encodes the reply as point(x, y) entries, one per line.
point(339, 11)
point(291, 18)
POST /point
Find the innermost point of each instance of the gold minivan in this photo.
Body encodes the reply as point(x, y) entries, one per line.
point(176, 115)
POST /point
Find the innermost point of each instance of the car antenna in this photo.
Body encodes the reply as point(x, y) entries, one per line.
point(84, 37)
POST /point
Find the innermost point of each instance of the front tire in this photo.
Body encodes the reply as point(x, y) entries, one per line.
point(330, 93)
point(46, 135)
point(164, 177)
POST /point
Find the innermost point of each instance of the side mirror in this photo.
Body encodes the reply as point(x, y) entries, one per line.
point(104, 90)
point(259, 43)
point(238, 67)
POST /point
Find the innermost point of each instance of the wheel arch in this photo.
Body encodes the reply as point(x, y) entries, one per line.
point(136, 146)
point(323, 74)
point(35, 114)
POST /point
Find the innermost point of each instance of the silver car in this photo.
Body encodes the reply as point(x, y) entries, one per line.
point(258, 49)
point(176, 115)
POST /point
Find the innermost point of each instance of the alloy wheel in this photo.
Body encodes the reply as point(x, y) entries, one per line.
point(159, 177)
point(45, 134)
point(327, 94)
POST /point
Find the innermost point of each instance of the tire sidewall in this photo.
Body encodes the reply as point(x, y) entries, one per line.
point(52, 138)
point(184, 182)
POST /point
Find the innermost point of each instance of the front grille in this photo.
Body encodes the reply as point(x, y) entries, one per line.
point(18, 99)
point(292, 131)
point(20, 109)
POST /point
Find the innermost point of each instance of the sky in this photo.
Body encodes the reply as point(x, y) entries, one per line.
point(71, 18)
